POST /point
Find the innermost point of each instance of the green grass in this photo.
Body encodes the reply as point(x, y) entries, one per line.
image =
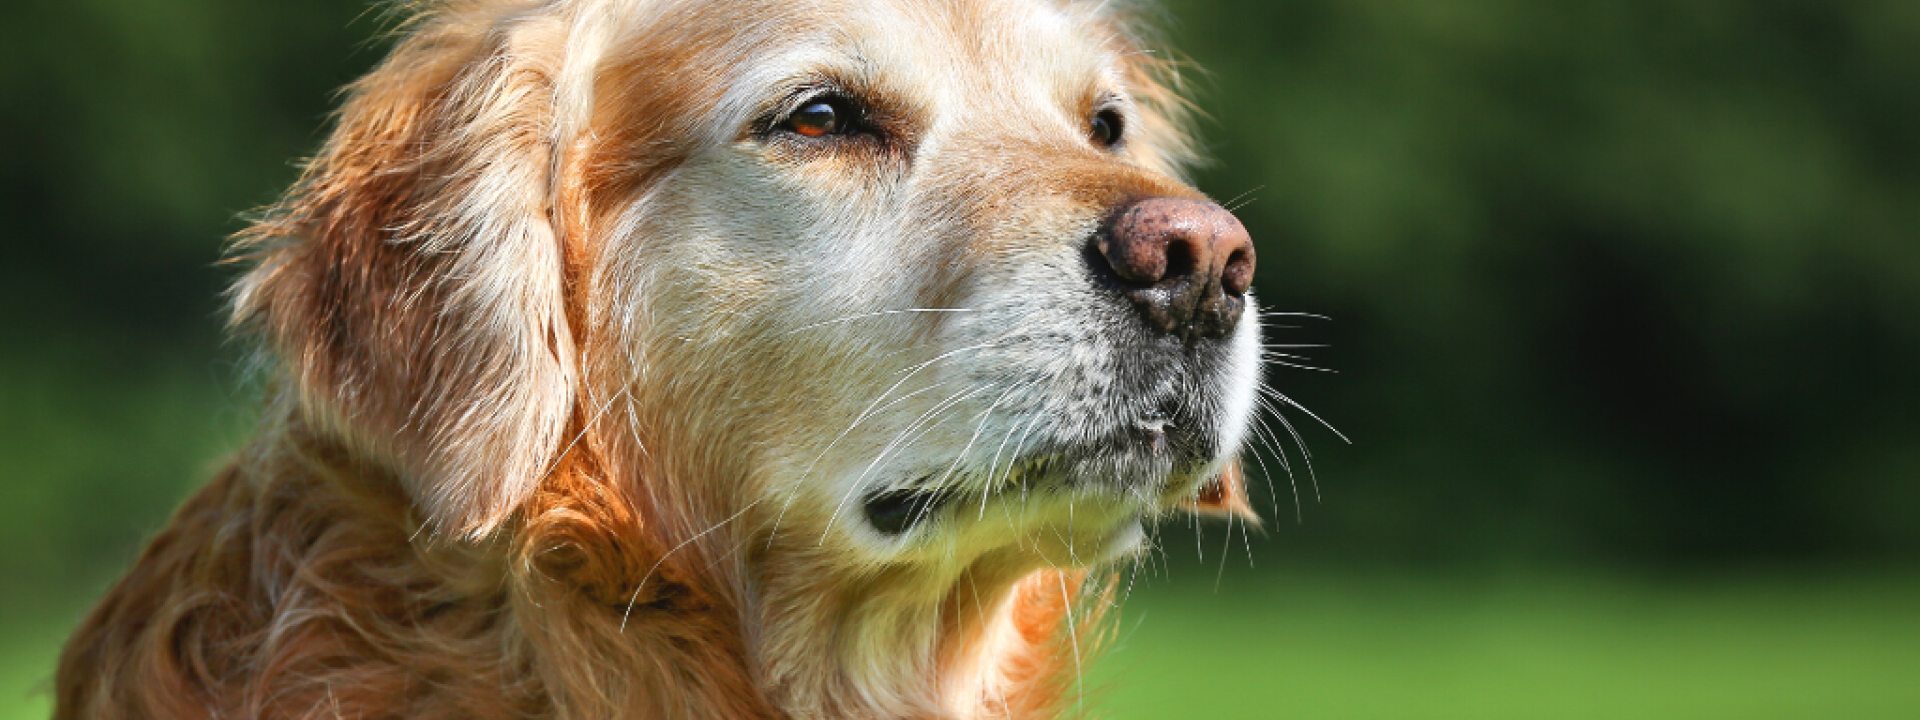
point(30, 640)
point(1385, 647)
point(1531, 648)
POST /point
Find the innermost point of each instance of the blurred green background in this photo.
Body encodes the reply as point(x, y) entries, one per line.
point(1624, 301)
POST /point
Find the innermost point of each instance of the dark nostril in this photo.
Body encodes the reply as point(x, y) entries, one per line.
point(1185, 264)
point(1238, 276)
point(1180, 258)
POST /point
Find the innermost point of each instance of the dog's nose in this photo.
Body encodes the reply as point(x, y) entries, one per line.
point(1185, 264)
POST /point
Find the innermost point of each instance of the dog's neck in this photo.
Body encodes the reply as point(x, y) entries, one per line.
point(701, 616)
point(987, 641)
point(576, 610)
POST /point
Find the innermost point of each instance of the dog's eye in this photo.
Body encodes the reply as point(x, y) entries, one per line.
point(820, 118)
point(1105, 128)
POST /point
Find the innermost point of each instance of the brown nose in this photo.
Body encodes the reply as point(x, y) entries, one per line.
point(1185, 264)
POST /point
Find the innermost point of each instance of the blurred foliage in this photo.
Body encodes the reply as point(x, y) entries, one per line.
point(1615, 282)
point(1630, 284)
point(137, 131)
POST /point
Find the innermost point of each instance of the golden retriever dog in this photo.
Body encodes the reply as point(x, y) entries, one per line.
point(705, 359)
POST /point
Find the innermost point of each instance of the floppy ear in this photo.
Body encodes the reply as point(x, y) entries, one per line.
point(412, 283)
point(1226, 496)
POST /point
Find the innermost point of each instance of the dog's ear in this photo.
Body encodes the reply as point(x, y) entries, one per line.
point(1226, 496)
point(413, 282)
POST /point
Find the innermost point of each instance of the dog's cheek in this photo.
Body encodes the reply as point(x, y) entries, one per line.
point(755, 298)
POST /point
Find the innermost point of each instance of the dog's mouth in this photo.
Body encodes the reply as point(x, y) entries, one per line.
point(1143, 461)
point(894, 512)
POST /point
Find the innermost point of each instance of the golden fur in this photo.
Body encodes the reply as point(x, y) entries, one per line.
point(535, 383)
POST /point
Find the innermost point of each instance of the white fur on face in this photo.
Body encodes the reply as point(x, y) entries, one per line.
point(923, 316)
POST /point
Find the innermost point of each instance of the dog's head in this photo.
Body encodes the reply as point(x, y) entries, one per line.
point(916, 280)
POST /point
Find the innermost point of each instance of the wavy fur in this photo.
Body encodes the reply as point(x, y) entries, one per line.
point(524, 456)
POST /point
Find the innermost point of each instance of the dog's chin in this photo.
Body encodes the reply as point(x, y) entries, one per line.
point(1052, 524)
point(1076, 505)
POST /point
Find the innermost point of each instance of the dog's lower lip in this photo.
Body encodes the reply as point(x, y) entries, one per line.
point(896, 511)
point(1152, 433)
point(1156, 441)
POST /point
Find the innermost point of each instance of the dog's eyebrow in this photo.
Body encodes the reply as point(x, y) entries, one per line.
point(853, 76)
point(1106, 99)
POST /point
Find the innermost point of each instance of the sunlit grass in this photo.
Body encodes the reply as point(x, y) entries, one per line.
point(1530, 647)
point(29, 644)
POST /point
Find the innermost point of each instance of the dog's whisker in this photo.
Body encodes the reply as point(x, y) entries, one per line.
point(584, 429)
point(1306, 455)
point(921, 425)
point(1292, 361)
point(1290, 356)
point(1298, 366)
point(870, 409)
point(1249, 191)
point(1073, 639)
point(875, 407)
point(635, 597)
point(986, 488)
point(1270, 392)
point(987, 479)
point(1263, 436)
point(855, 487)
point(810, 466)
point(875, 314)
point(979, 427)
point(1280, 314)
point(1278, 449)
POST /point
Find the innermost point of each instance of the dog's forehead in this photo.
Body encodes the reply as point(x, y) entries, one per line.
point(975, 40)
point(974, 49)
point(940, 54)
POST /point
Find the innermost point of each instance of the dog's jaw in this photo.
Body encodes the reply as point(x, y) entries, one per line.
point(852, 621)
